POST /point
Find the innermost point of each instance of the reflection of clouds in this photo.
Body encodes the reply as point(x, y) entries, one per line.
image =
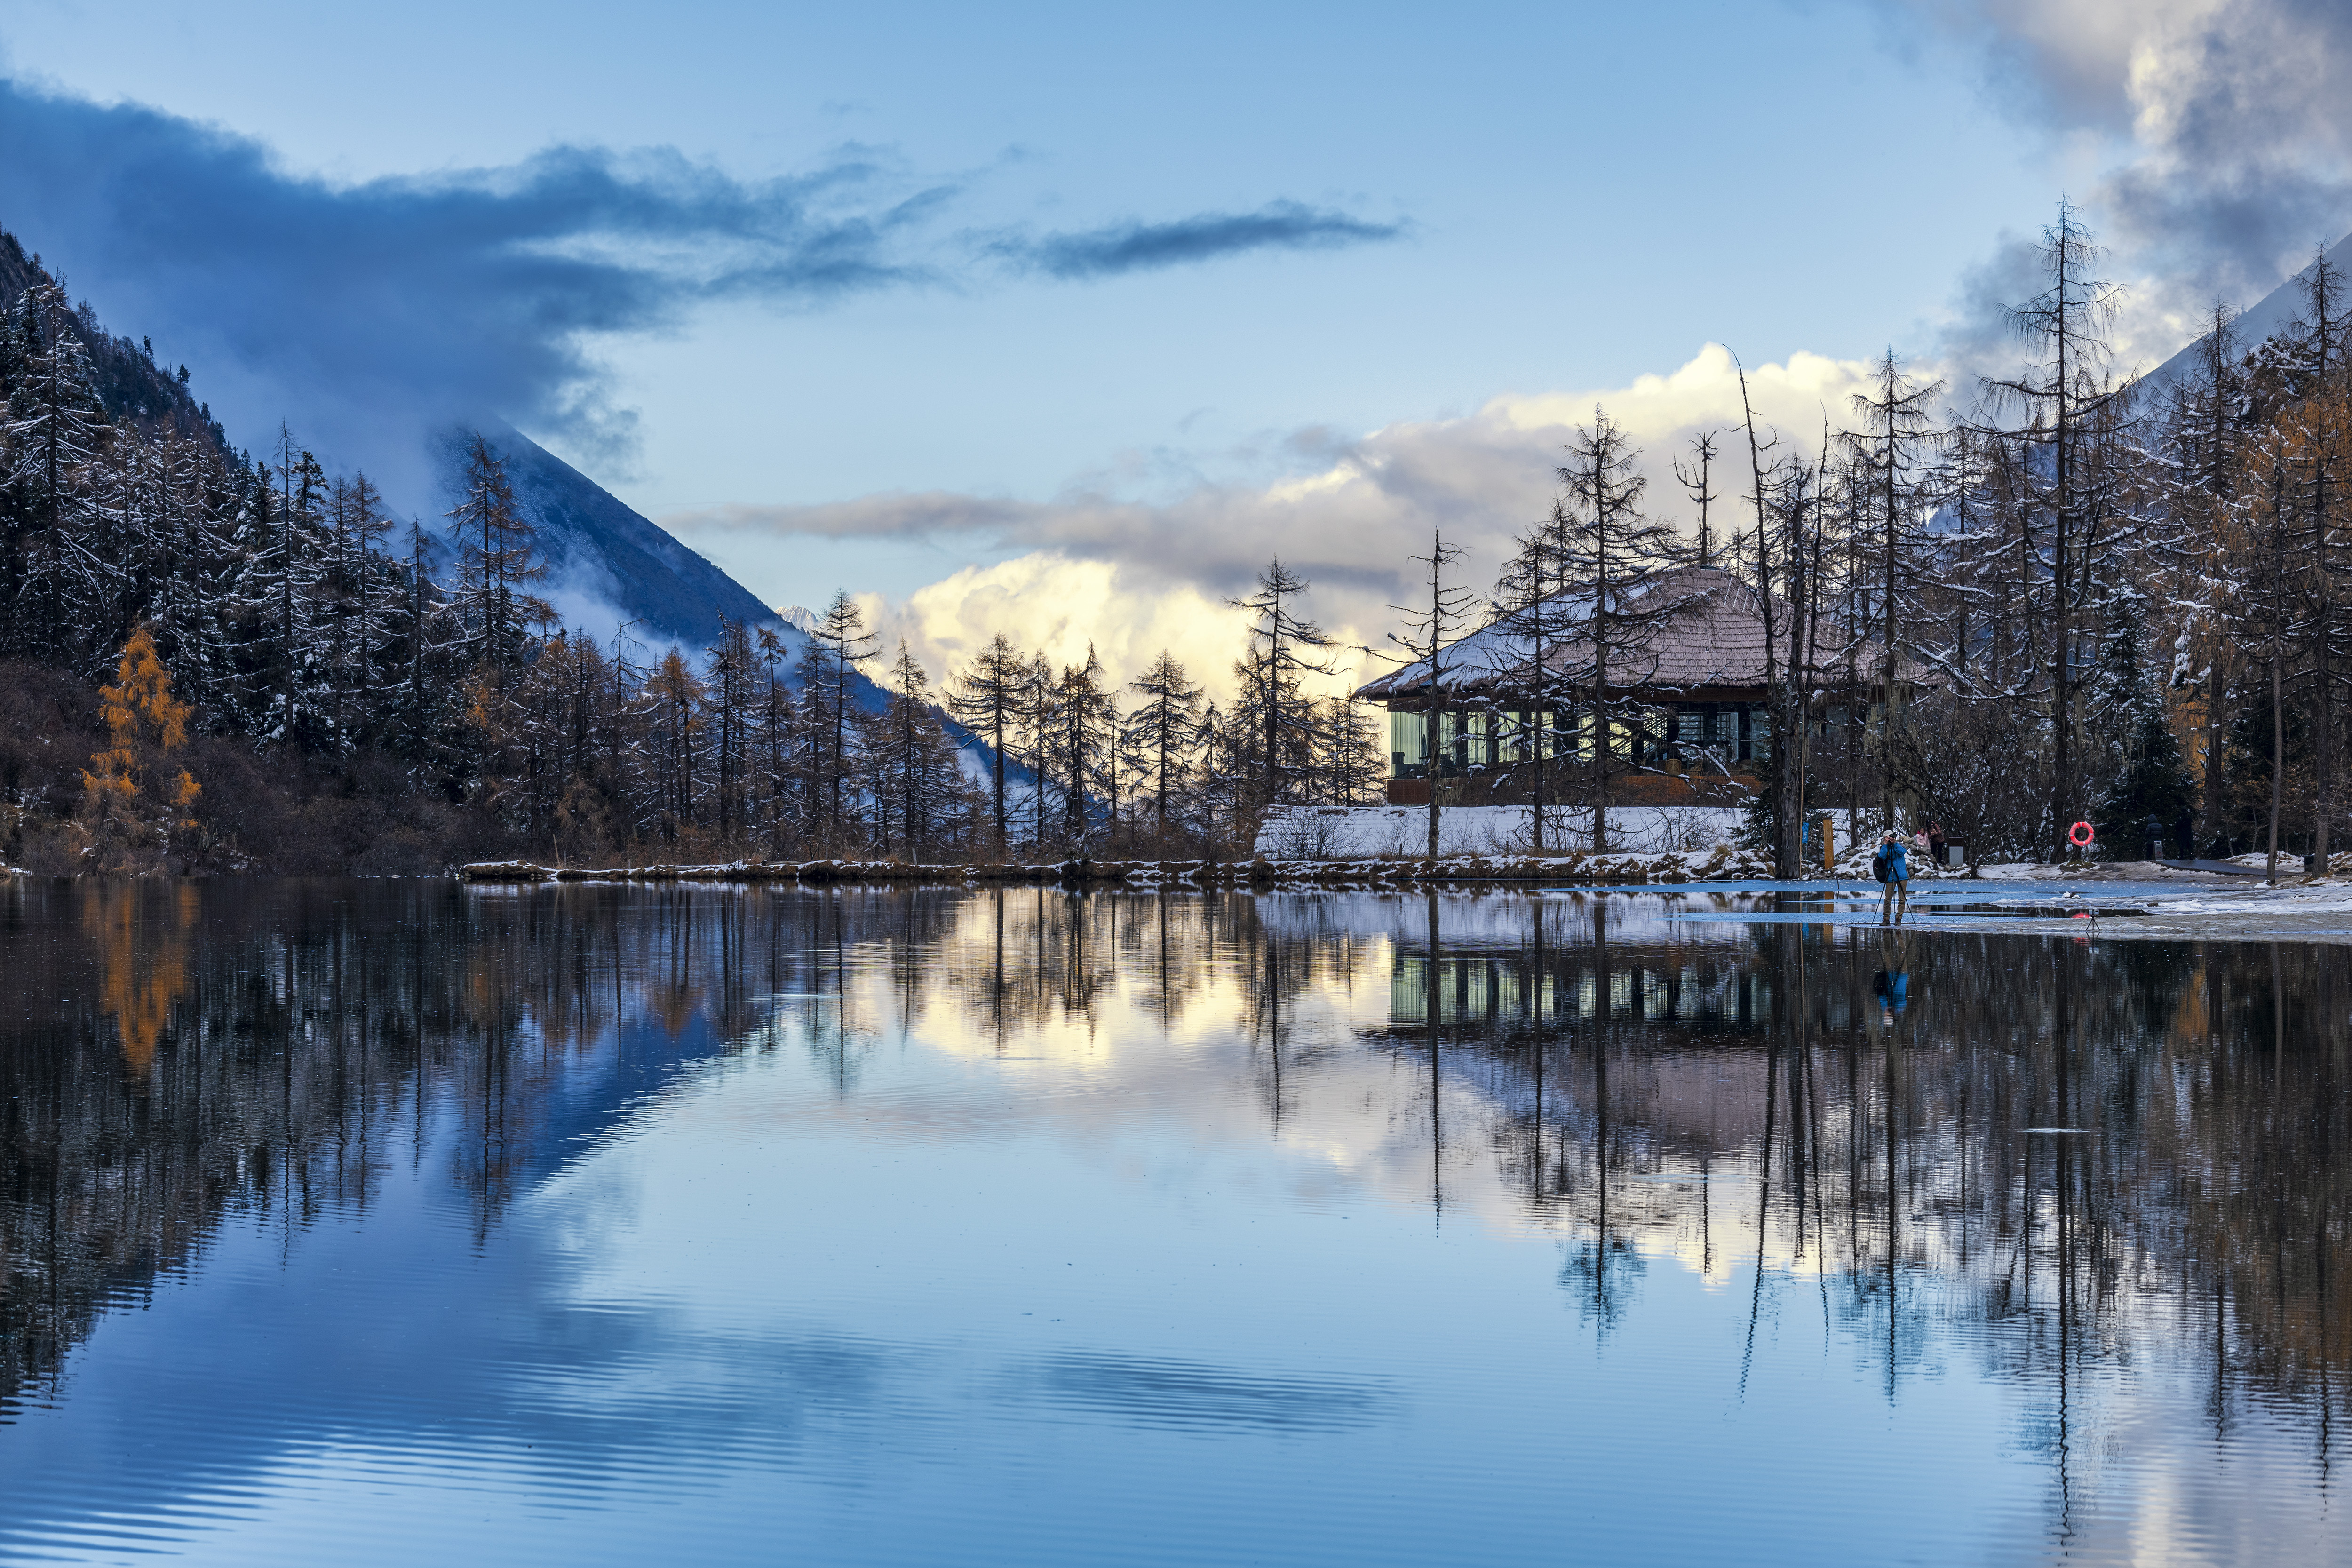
point(1071, 999)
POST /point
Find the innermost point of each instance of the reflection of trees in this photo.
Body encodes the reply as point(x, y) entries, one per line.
point(1277, 962)
point(1027, 956)
point(1021, 958)
point(1913, 1162)
point(171, 1052)
point(145, 945)
point(1738, 1098)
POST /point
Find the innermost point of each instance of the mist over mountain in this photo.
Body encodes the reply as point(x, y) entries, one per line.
point(2272, 314)
point(608, 566)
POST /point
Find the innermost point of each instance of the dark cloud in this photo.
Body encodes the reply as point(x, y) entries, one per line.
point(366, 313)
point(1143, 246)
point(417, 299)
point(2242, 131)
point(2235, 134)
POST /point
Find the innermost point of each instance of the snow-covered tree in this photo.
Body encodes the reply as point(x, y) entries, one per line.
point(52, 576)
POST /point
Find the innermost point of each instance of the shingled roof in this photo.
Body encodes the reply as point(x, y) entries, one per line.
point(1711, 635)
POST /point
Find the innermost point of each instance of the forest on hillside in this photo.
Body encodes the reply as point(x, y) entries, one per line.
point(2071, 596)
point(216, 662)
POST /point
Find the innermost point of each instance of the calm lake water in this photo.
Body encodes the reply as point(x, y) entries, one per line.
point(400, 1223)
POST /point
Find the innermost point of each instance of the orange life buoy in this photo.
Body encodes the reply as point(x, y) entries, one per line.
point(2081, 835)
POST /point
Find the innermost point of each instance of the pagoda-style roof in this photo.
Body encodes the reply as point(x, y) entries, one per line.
point(1703, 633)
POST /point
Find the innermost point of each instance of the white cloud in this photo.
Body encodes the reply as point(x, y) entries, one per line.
point(1049, 603)
point(1133, 577)
point(1705, 394)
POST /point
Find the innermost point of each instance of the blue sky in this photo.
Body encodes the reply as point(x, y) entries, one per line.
point(1592, 191)
point(1504, 202)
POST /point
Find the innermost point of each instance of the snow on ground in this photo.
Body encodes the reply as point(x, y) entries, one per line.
point(2115, 898)
point(1355, 833)
point(2290, 865)
point(2140, 900)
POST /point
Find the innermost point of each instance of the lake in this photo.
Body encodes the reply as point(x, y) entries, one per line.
point(406, 1222)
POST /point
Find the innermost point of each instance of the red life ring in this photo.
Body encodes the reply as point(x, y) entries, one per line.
point(2081, 835)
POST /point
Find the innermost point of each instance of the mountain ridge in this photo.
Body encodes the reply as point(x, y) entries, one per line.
point(2255, 324)
point(598, 548)
point(134, 389)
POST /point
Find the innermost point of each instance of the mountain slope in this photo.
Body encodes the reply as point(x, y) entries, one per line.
point(600, 551)
point(136, 390)
point(2256, 322)
point(607, 564)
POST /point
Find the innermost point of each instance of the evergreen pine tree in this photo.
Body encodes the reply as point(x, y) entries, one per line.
point(51, 573)
point(496, 562)
point(842, 643)
point(1162, 734)
point(986, 695)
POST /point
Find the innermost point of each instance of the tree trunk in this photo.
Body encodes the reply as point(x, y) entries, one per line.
point(1542, 734)
point(1429, 733)
point(1886, 696)
point(2278, 760)
point(2323, 740)
point(2216, 726)
point(997, 779)
point(1600, 766)
point(1429, 764)
point(1539, 727)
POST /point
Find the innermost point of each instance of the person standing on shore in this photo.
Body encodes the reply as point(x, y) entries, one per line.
point(1936, 844)
point(1892, 866)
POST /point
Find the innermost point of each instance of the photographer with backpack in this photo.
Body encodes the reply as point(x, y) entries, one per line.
point(1892, 866)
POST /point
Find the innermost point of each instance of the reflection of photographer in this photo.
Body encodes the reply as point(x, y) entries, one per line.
point(1892, 987)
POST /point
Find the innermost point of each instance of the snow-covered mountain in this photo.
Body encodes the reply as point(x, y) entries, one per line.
point(603, 555)
point(608, 563)
point(2256, 322)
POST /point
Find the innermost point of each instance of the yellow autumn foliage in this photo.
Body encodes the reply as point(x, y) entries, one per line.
point(123, 810)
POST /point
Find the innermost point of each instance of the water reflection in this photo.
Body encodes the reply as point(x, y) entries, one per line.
point(2095, 1184)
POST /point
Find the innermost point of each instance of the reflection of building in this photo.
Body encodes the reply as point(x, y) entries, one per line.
point(1661, 1098)
point(1498, 989)
point(1688, 692)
